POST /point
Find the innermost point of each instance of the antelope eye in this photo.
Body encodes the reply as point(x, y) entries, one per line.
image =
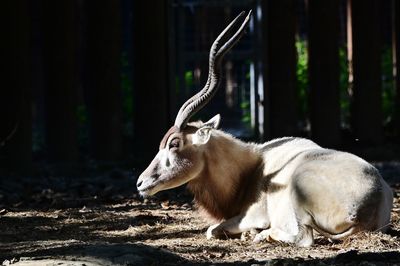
point(174, 143)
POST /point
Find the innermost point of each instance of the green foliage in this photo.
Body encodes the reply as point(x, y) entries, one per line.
point(246, 115)
point(302, 77)
point(188, 79)
point(388, 91)
point(244, 101)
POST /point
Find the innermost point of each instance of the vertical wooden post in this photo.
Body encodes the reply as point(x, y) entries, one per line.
point(365, 61)
point(150, 77)
point(15, 100)
point(396, 59)
point(103, 88)
point(59, 47)
point(279, 73)
point(324, 71)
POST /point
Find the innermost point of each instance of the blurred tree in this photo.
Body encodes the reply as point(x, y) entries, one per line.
point(150, 76)
point(323, 47)
point(15, 99)
point(365, 69)
point(59, 51)
point(279, 59)
point(396, 60)
point(102, 86)
point(204, 33)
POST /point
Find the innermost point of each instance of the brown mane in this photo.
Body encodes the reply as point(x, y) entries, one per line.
point(226, 187)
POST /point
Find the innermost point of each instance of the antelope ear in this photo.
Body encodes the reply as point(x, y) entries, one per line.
point(202, 135)
point(213, 122)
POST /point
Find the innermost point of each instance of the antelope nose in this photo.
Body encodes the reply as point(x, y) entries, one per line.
point(139, 183)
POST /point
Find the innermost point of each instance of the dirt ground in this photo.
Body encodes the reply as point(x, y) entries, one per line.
point(102, 222)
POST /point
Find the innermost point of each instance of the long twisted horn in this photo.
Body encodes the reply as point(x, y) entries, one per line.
point(199, 100)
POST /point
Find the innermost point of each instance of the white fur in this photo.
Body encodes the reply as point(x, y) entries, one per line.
point(335, 189)
point(296, 187)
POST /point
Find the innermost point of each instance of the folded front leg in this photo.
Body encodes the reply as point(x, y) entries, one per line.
point(239, 224)
point(304, 238)
point(274, 234)
point(226, 228)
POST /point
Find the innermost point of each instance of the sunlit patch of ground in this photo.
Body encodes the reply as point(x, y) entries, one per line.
point(99, 221)
point(172, 228)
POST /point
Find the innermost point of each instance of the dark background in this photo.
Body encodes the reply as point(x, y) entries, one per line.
point(99, 82)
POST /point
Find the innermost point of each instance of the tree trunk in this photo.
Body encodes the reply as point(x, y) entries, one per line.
point(150, 77)
point(396, 61)
point(60, 79)
point(15, 100)
point(103, 88)
point(365, 63)
point(279, 62)
point(324, 71)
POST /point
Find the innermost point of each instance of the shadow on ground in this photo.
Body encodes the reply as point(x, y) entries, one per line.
point(139, 254)
point(106, 225)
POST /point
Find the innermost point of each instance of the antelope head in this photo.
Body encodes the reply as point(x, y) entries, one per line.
point(180, 156)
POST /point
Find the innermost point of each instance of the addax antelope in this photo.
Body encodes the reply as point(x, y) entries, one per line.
point(286, 188)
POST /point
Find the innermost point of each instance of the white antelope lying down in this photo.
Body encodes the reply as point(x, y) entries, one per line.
point(286, 188)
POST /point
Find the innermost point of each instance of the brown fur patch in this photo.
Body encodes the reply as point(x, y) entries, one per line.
point(227, 186)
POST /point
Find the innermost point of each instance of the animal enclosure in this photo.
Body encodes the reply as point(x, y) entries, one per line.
point(90, 87)
point(82, 80)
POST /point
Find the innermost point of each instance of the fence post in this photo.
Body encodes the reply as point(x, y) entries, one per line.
point(15, 100)
point(150, 76)
point(59, 51)
point(279, 68)
point(103, 88)
point(324, 71)
point(365, 67)
point(396, 60)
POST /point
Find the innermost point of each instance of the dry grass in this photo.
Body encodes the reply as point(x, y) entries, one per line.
point(177, 229)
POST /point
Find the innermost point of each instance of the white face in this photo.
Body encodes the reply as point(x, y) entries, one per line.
point(175, 165)
point(179, 161)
